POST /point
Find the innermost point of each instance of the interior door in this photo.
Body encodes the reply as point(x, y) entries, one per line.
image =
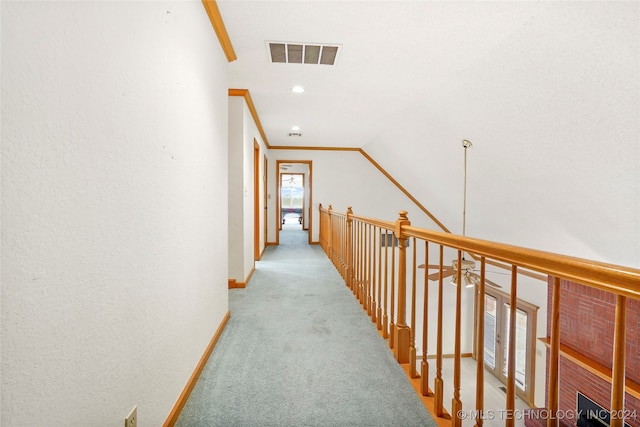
point(491, 333)
point(521, 346)
point(496, 341)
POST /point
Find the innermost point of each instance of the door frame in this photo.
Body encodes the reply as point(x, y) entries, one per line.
point(256, 201)
point(303, 175)
point(265, 179)
point(528, 395)
point(309, 181)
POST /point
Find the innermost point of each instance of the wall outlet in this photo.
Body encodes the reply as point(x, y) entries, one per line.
point(132, 418)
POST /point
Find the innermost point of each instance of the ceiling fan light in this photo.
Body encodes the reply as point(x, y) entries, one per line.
point(468, 280)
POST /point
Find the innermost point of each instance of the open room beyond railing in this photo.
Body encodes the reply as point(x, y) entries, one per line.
point(371, 256)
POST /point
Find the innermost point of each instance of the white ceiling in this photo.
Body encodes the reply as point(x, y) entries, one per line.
point(547, 91)
point(392, 53)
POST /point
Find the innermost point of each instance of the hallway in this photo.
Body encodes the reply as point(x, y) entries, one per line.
point(299, 351)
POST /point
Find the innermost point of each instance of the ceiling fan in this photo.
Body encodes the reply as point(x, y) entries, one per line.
point(468, 274)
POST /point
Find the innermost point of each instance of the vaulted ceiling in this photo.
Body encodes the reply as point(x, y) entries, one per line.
point(547, 92)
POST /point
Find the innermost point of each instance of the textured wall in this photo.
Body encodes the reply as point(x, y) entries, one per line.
point(236, 236)
point(553, 116)
point(242, 133)
point(114, 190)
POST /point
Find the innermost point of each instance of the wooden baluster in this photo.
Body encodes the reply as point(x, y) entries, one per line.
point(554, 352)
point(362, 265)
point(424, 366)
point(402, 331)
point(336, 241)
point(349, 244)
point(343, 235)
point(412, 343)
point(321, 227)
point(363, 281)
point(367, 300)
point(359, 272)
point(456, 404)
point(329, 232)
point(618, 373)
point(480, 346)
point(365, 269)
point(374, 264)
point(379, 313)
point(385, 317)
point(341, 247)
point(332, 256)
point(511, 358)
point(438, 384)
point(392, 306)
point(354, 256)
point(345, 249)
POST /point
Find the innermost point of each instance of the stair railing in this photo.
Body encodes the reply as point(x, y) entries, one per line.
point(364, 251)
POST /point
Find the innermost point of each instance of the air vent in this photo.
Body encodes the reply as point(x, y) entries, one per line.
point(300, 53)
point(295, 133)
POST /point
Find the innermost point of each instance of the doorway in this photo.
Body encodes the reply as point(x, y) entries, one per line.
point(291, 201)
point(497, 311)
point(294, 181)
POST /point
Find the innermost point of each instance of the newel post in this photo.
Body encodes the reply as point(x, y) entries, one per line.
point(349, 266)
point(402, 332)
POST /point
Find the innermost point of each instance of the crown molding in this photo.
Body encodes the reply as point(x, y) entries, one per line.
point(218, 26)
point(252, 109)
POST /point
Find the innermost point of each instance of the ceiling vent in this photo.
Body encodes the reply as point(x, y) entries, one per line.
point(295, 133)
point(299, 53)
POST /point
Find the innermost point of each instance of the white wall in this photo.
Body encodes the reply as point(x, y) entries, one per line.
point(343, 179)
point(242, 134)
point(114, 203)
point(237, 197)
point(553, 116)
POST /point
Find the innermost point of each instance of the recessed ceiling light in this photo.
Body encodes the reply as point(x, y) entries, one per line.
point(295, 127)
point(297, 89)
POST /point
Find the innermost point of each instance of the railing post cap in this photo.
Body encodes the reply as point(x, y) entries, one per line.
point(403, 220)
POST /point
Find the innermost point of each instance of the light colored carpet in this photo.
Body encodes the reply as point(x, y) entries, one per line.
point(299, 351)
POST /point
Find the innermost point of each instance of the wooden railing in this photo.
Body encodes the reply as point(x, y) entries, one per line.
point(364, 251)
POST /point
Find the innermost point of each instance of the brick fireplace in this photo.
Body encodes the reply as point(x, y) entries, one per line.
point(586, 337)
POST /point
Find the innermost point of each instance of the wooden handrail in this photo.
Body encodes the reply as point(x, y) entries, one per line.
point(607, 277)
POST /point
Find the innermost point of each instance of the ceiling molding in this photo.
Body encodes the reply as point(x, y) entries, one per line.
point(404, 190)
point(218, 26)
point(377, 166)
point(252, 109)
point(291, 147)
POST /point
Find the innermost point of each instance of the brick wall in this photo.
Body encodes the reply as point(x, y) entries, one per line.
point(587, 325)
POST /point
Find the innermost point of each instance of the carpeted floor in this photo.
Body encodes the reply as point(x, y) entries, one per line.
point(299, 351)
